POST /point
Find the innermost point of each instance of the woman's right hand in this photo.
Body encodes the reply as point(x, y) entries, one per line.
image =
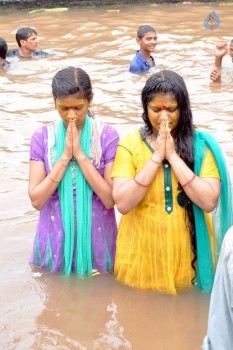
point(160, 143)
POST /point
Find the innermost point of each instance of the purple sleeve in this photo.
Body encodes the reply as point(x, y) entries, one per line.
point(109, 141)
point(37, 145)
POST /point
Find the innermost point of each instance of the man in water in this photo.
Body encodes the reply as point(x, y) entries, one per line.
point(147, 40)
point(27, 42)
point(220, 51)
point(3, 50)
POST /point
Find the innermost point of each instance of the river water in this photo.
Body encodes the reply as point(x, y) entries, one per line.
point(47, 311)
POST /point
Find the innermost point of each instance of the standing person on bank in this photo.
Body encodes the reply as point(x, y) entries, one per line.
point(147, 40)
point(70, 182)
point(167, 177)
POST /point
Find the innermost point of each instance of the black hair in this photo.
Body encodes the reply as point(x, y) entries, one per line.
point(24, 34)
point(169, 82)
point(3, 48)
point(142, 30)
point(71, 81)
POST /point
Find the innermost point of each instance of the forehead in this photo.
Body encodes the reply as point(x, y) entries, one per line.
point(149, 35)
point(164, 99)
point(71, 100)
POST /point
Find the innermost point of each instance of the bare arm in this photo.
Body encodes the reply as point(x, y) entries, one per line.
point(41, 187)
point(204, 192)
point(102, 186)
point(127, 193)
point(220, 51)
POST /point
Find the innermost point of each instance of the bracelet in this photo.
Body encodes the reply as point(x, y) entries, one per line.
point(193, 177)
point(52, 178)
point(61, 162)
point(154, 161)
point(140, 184)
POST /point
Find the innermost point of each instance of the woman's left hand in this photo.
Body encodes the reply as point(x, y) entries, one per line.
point(76, 134)
point(170, 144)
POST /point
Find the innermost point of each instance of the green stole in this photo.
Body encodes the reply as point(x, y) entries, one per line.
point(222, 215)
point(77, 249)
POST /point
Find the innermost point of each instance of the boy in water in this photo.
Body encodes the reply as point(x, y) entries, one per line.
point(27, 42)
point(220, 51)
point(147, 40)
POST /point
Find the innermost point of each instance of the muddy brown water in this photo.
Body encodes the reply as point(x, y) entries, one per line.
point(47, 311)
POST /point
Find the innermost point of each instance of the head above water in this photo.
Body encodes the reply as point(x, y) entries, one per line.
point(24, 34)
point(145, 28)
point(167, 82)
point(72, 81)
point(3, 48)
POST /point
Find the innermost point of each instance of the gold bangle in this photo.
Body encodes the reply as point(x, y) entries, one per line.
point(52, 178)
point(154, 161)
point(61, 162)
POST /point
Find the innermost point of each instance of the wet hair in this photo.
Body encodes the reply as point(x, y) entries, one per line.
point(72, 81)
point(169, 82)
point(3, 48)
point(24, 34)
point(142, 30)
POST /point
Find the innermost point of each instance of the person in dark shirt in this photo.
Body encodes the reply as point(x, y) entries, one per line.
point(147, 40)
point(3, 50)
point(27, 42)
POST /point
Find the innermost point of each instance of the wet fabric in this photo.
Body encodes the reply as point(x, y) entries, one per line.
point(48, 250)
point(81, 222)
point(222, 215)
point(220, 321)
point(153, 245)
point(14, 53)
point(139, 64)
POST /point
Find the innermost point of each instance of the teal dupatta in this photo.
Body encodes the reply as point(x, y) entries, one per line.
point(77, 248)
point(222, 215)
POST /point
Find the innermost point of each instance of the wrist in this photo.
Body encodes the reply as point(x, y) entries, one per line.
point(173, 158)
point(80, 156)
point(64, 161)
point(155, 160)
